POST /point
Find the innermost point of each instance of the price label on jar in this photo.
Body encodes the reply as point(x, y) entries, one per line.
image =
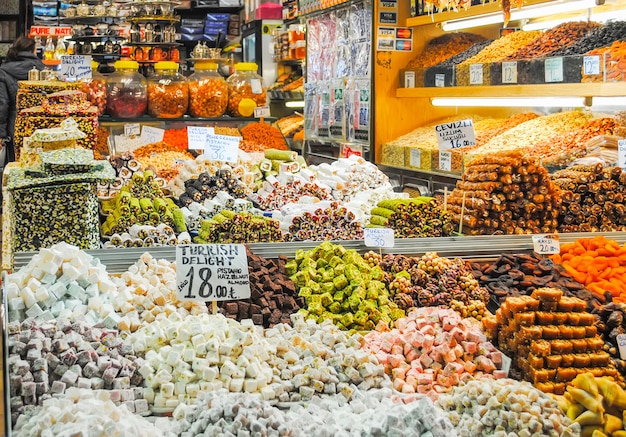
point(456, 134)
point(212, 272)
point(409, 79)
point(591, 65)
point(621, 154)
point(440, 80)
point(476, 74)
point(151, 135)
point(378, 237)
point(509, 72)
point(132, 129)
point(546, 244)
point(261, 111)
point(222, 148)
point(554, 69)
point(197, 137)
point(445, 161)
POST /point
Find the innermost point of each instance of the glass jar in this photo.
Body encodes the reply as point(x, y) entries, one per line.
point(127, 91)
point(247, 90)
point(208, 91)
point(95, 88)
point(99, 10)
point(83, 10)
point(168, 94)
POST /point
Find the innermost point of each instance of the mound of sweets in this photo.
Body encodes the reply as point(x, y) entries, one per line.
point(550, 337)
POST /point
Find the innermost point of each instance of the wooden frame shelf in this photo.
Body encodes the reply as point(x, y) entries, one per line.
point(606, 89)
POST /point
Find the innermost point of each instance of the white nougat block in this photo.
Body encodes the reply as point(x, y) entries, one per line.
point(70, 271)
point(28, 296)
point(12, 290)
point(16, 303)
point(34, 311)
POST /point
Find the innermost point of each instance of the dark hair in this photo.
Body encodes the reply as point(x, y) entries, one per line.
point(21, 44)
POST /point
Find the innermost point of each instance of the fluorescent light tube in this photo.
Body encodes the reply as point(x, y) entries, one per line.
point(295, 104)
point(511, 102)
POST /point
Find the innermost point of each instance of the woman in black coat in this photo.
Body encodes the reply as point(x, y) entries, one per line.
point(19, 61)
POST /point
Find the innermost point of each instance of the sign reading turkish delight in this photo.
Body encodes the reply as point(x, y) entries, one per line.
point(212, 272)
point(378, 237)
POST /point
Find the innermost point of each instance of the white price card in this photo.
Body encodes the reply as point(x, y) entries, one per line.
point(222, 148)
point(546, 244)
point(440, 80)
point(132, 129)
point(212, 272)
point(455, 134)
point(621, 345)
point(506, 364)
point(476, 74)
point(151, 135)
point(197, 137)
point(378, 237)
point(409, 79)
point(445, 161)
point(554, 69)
point(415, 158)
point(123, 143)
point(621, 154)
point(255, 85)
point(509, 72)
point(75, 67)
point(591, 65)
point(262, 111)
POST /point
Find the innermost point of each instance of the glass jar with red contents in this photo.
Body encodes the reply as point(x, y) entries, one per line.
point(95, 88)
point(127, 91)
point(168, 94)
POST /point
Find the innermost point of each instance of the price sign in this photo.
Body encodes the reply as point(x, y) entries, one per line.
point(261, 111)
point(440, 80)
point(222, 148)
point(378, 237)
point(621, 153)
point(506, 364)
point(409, 79)
point(347, 150)
point(212, 272)
point(455, 134)
point(509, 72)
point(476, 74)
point(122, 143)
point(75, 67)
point(132, 129)
point(621, 345)
point(415, 158)
point(591, 65)
point(151, 135)
point(196, 137)
point(546, 244)
point(554, 69)
point(445, 161)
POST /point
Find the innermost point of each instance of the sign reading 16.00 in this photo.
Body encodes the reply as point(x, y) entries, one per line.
point(212, 272)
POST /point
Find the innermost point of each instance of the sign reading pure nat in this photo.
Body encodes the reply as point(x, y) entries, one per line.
point(212, 272)
point(455, 134)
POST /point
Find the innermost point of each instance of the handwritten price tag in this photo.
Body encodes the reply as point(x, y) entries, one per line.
point(132, 129)
point(415, 158)
point(591, 65)
point(197, 137)
point(546, 244)
point(476, 74)
point(409, 79)
point(621, 344)
point(151, 135)
point(455, 134)
point(378, 237)
point(621, 153)
point(440, 80)
point(509, 72)
point(445, 161)
point(261, 111)
point(222, 148)
point(554, 69)
point(212, 272)
point(75, 67)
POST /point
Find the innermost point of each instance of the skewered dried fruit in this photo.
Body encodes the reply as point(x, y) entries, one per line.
point(505, 193)
point(338, 284)
point(410, 218)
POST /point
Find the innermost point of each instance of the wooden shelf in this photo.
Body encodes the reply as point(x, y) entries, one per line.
point(608, 89)
point(473, 11)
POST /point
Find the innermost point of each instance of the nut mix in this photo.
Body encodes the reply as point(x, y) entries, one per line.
point(167, 99)
point(208, 97)
point(601, 37)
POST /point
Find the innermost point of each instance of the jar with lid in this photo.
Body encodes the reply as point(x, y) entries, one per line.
point(95, 88)
point(247, 90)
point(168, 94)
point(208, 91)
point(83, 10)
point(127, 91)
point(99, 10)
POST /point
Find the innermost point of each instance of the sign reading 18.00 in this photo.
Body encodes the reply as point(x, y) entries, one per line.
point(212, 272)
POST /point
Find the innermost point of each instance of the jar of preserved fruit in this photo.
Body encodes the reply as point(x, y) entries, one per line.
point(95, 88)
point(246, 89)
point(127, 91)
point(208, 91)
point(168, 94)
